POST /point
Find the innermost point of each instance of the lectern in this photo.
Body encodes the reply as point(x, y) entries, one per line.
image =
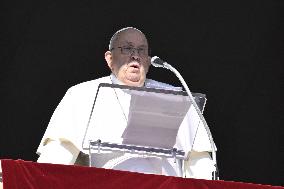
point(150, 126)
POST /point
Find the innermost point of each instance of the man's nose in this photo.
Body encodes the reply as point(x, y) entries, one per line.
point(135, 55)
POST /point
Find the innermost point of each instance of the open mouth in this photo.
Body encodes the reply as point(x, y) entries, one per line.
point(134, 65)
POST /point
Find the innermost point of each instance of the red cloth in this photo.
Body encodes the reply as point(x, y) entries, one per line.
point(19, 174)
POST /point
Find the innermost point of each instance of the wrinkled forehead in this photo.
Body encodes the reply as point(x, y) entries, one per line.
point(131, 37)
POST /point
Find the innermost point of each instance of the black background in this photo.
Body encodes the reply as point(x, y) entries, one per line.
point(230, 50)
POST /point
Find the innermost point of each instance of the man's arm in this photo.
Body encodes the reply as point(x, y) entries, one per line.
point(59, 152)
point(200, 165)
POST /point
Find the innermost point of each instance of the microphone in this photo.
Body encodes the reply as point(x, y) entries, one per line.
point(157, 62)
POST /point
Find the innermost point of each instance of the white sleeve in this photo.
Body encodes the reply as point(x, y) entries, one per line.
point(59, 152)
point(200, 166)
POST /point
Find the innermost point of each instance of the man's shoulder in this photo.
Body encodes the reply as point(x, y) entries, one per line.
point(150, 83)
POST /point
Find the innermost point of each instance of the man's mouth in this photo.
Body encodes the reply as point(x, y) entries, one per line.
point(134, 65)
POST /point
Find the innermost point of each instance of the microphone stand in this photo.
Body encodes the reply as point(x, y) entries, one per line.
point(215, 175)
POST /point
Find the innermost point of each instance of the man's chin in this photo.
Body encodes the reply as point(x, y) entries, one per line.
point(134, 83)
point(132, 78)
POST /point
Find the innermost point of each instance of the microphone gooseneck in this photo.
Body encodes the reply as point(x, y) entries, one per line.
point(158, 62)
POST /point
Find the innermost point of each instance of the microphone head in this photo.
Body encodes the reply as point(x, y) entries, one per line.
point(157, 62)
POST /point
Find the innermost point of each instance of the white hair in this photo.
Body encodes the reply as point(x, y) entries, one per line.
point(113, 38)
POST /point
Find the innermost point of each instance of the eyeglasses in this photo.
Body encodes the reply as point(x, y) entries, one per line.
point(131, 50)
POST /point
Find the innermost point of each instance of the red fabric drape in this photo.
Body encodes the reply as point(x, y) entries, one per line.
point(19, 174)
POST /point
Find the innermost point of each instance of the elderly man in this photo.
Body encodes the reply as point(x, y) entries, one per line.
point(129, 62)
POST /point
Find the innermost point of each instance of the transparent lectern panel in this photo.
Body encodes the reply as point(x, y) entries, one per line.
point(138, 116)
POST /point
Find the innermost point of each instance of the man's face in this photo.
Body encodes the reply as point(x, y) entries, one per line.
point(129, 65)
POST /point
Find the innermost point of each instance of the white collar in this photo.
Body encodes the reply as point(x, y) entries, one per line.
point(114, 79)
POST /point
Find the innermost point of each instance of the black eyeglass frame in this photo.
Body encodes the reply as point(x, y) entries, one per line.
point(131, 51)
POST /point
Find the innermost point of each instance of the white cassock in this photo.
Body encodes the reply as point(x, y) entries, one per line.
point(64, 136)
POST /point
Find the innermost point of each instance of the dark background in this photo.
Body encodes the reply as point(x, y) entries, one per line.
point(230, 50)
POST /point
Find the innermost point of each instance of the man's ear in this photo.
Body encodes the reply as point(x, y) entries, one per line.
point(108, 58)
